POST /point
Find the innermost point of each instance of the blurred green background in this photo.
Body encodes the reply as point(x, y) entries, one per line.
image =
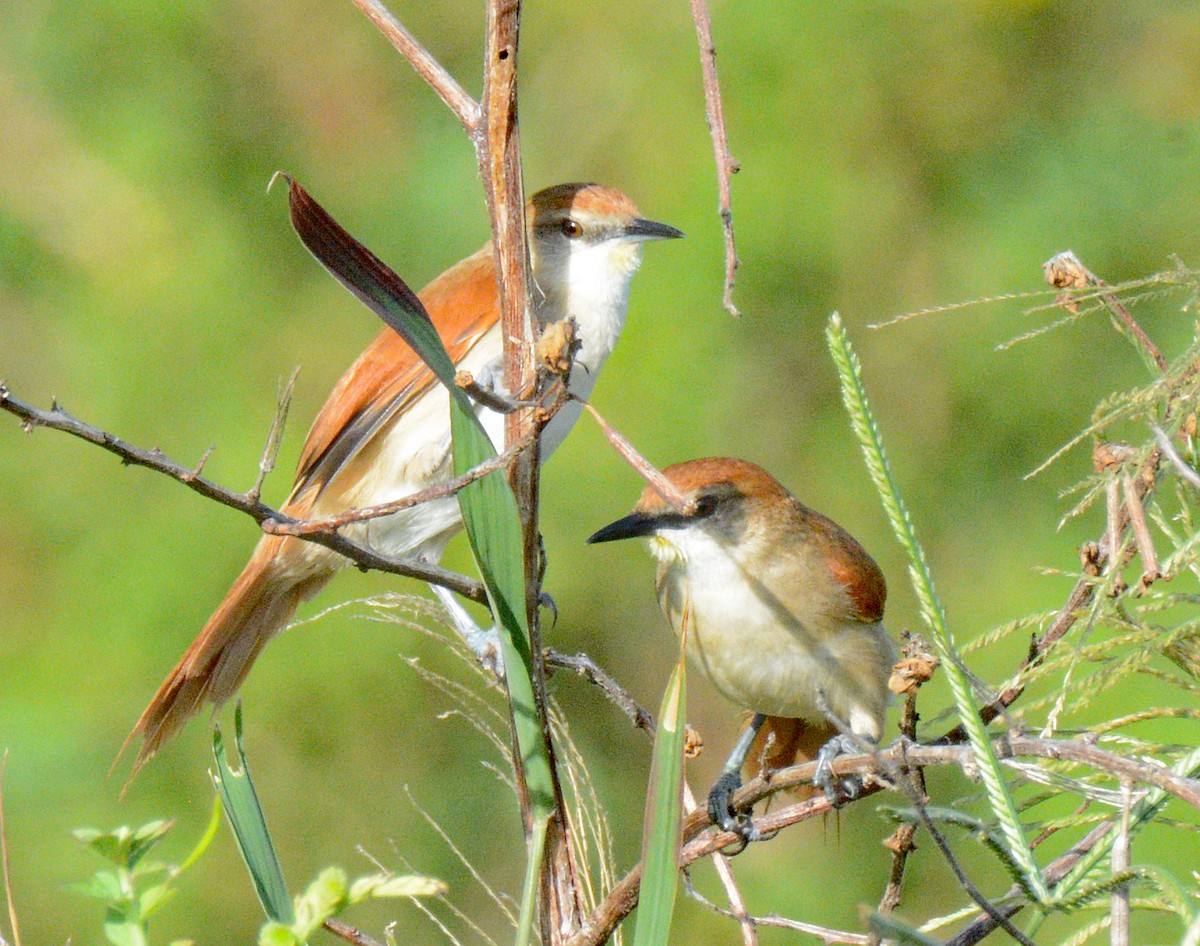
point(894, 157)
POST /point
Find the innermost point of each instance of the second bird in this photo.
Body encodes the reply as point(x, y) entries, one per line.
point(384, 431)
point(783, 610)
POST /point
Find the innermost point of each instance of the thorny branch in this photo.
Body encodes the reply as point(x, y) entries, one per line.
point(267, 517)
point(700, 841)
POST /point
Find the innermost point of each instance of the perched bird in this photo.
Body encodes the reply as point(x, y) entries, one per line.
point(782, 610)
point(384, 431)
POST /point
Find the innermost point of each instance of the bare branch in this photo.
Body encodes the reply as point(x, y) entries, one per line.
point(267, 517)
point(465, 108)
point(349, 933)
point(645, 469)
point(586, 667)
point(726, 165)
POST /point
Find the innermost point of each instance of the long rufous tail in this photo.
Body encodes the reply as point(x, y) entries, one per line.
point(782, 742)
point(258, 606)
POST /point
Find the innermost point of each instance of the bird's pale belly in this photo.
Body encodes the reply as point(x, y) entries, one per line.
point(782, 667)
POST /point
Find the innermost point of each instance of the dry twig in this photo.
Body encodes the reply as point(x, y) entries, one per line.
point(726, 165)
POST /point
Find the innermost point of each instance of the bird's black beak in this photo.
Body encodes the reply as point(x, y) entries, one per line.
point(633, 526)
point(641, 229)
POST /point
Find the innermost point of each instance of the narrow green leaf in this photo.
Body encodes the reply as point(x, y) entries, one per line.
point(531, 886)
point(249, 824)
point(662, 835)
point(488, 505)
point(1000, 800)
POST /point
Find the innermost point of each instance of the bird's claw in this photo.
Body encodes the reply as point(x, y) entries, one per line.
point(838, 791)
point(722, 813)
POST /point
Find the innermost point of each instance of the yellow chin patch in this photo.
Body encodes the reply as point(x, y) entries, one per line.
point(664, 550)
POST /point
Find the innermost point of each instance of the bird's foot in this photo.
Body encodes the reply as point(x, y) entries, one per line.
point(722, 813)
point(838, 791)
point(485, 645)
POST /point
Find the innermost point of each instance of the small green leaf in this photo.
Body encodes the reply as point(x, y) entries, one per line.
point(154, 897)
point(103, 885)
point(144, 838)
point(274, 933)
point(125, 934)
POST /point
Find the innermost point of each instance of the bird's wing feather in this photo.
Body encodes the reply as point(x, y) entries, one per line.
point(389, 376)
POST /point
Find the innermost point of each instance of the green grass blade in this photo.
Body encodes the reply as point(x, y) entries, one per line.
point(245, 814)
point(662, 835)
point(529, 893)
point(1000, 799)
point(488, 506)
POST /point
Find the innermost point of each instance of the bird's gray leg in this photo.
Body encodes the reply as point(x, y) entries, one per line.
point(720, 797)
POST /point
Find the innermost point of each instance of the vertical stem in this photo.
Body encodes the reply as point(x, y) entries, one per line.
point(1119, 929)
point(497, 145)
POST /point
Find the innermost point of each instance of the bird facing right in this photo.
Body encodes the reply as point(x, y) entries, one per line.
point(783, 610)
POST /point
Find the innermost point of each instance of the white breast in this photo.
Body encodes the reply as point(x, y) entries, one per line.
point(759, 653)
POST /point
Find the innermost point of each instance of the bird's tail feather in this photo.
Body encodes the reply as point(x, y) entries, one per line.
point(258, 606)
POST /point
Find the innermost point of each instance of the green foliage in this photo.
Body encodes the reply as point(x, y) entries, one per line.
point(661, 835)
point(332, 893)
point(133, 889)
point(489, 508)
point(1000, 799)
point(249, 824)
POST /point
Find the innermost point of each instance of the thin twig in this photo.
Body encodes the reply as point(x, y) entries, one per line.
point(901, 843)
point(1169, 451)
point(737, 903)
point(266, 463)
point(826, 934)
point(1065, 271)
point(8, 890)
point(726, 165)
point(58, 419)
point(644, 468)
point(440, 491)
point(586, 667)
point(1119, 931)
point(493, 400)
point(465, 108)
point(350, 934)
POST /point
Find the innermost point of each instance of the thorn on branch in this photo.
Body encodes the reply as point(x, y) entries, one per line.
point(194, 474)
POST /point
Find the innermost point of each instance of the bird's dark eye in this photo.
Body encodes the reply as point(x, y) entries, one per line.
point(705, 506)
point(571, 230)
